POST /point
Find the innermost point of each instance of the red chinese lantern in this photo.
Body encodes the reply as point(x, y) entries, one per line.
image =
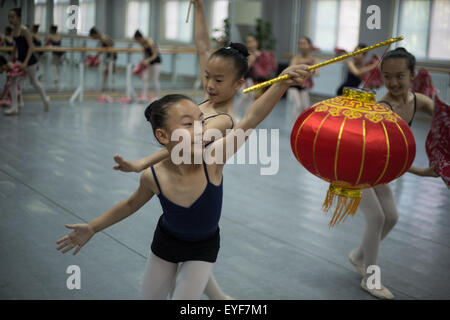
point(353, 143)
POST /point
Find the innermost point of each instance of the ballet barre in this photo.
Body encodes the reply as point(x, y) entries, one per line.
point(101, 50)
point(79, 91)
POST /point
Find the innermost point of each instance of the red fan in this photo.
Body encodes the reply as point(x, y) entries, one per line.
point(423, 84)
point(92, 61)
point(139, 69)
point(437, 144)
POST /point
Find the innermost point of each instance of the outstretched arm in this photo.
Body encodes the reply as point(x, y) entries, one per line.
point(220, 122)
point(83, 232)
point(425, 104)
point(201, 35)
point(424, 172)
point(141, 164)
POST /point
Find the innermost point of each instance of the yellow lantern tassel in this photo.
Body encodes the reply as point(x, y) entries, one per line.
point(347, 202)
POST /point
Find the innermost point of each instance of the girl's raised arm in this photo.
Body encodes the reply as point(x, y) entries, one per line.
point(201, 35)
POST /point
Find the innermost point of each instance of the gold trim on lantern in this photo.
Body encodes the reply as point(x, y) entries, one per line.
point(314, 144)
point(407, 150)
point(363, 152)
point(347, 203)
point(298, 135)
point(387, 154)
point(340, 191)
point(337, 149)
point(355, 109)
point(359, 94)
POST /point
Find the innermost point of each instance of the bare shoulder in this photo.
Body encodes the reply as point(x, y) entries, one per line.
point(424, 103)
point(423, 99)
point(148, 181)
point(24, 30)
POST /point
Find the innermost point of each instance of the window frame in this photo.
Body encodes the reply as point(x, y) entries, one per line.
point(336, 32)
point(396, 30)
point(147, 32)
point(162, 30)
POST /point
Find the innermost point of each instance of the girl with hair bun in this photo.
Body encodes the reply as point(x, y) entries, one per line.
point(151, 63)
point(222, 74)
point(109, 58)
point(298, 96)
point(261, 67)
point(378, 204)
point(356, 69)
point(187, 236)
point(23, 47)
point(54, 39)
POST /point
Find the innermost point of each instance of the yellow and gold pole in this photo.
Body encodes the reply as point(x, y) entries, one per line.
point(322, 64)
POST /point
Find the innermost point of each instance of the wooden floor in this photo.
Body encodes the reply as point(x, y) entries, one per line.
point(56, 169)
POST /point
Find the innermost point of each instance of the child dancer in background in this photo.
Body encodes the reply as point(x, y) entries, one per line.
point(37, 43)
point(8, 41)
point(187, 236)
point(23, 44)
point(298, 96)
point(53, 39)
point(262, 66)
point(378, 203)
point(12, 70)
point(152, 61)
point(356, 69)
point(109, 58)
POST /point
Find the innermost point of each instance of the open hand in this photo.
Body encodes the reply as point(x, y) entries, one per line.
point(78, 238)
point(124, 165)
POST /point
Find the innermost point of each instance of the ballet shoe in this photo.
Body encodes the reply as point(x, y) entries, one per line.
point(5, 102)
point(382, 293)
point(11, 111)
point(109, 99)
point(105, 98)
point(47, 104)
point(124, 100)
point(358, 266)
point(147, 98)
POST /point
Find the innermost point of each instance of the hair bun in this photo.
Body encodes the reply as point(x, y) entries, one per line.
point(242, 49)
point(148, 111)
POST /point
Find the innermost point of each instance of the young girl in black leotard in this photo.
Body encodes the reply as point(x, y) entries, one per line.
point(355, 70)
point(152, 59)
point(8, 41)
point(223, 75)
point(298, 96)
point(109, 58)
point(378, 203)
point(53, 39)
point(187, 235)
point(23, 47)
